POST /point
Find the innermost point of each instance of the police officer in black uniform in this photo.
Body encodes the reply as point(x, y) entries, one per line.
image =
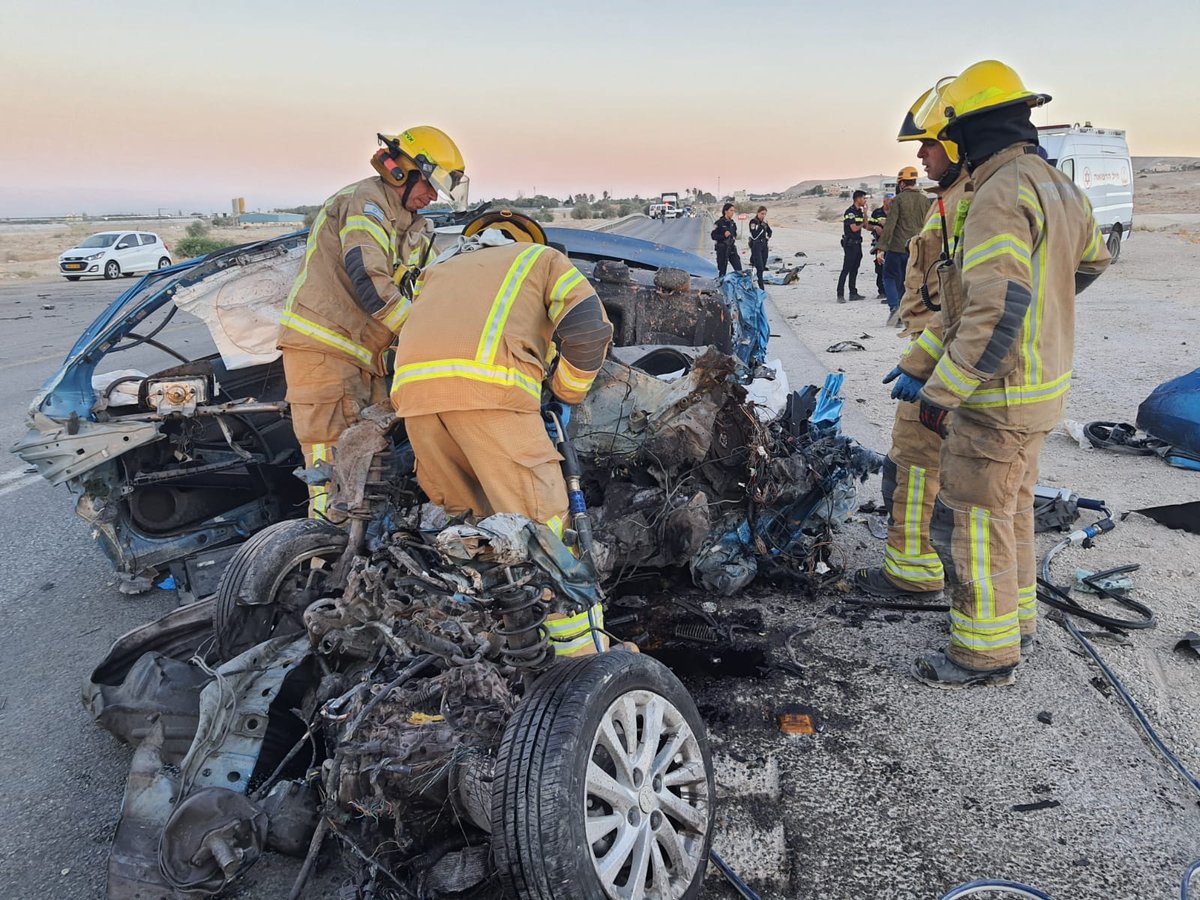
point(724, 234)
point(853, 220)
point(760, 235)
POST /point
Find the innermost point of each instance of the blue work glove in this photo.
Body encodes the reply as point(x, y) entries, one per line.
point(906, 387)
point(555, 409)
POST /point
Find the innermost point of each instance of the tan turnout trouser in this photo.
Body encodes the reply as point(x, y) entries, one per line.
point(326, 393)
point(484, 461)
point(910, 485)
point(982, 527)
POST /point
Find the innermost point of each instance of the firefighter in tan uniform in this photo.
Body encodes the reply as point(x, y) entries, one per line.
point(910, 473)
point(352, 293)
point(489, 331)
point(470, 367)
point(996, 379)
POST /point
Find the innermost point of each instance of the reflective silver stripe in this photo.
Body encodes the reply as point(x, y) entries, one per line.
point(325, 336)
point(489, 341)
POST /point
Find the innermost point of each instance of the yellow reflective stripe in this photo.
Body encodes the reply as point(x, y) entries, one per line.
point(912, 510)
point(493, 327)
point(1026, 195)
point(318, 452)
point(565, 373)
point(984, 634)
point(555, 524)
point(568, 626)
point(931, 344)
point(1093, 249)
point(311, 246)
point(1033, 322)
point(999, 245)
point(1020, 394)
point(465, 368)
point(955, 379)
point(933, 223)
point(1027, 602)
point(327, 337)
point(981, 563)
point(371, 227)
point(418, 252)
point(309, 249)
point(398, 314)
point(558, 295)
point(921, 567)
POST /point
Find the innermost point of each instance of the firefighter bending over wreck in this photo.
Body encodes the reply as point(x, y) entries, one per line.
point(487, 326)
point(354, 288)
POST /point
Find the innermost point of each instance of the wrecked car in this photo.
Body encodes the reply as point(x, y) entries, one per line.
point(396, 685)
point(174, 467)
point(404, 687)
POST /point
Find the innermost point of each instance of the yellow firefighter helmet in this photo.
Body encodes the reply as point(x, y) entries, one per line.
point(985, 85)
point(519, 227)
point(926, 119)
point(427, 151)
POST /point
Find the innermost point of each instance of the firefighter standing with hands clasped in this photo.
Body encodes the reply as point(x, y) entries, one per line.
point(994, 382)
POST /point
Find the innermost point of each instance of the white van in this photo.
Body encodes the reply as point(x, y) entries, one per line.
point(1097, 160)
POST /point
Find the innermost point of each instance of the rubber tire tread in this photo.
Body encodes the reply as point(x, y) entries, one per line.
point(253, 568)
point(1119, 240)
point(535, 855)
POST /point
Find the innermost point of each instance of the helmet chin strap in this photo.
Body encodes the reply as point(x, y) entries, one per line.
point(950, 175)
point(410, 182)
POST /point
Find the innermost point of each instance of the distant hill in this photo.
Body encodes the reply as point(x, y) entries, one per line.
point(872, 182)
point(1165, 163)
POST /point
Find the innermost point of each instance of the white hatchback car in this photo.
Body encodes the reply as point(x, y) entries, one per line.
point(114, 253)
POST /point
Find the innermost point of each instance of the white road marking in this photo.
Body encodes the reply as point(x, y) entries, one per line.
point(18, 485)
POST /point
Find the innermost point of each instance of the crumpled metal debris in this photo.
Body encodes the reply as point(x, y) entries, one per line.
point(686, 473)
point(212, 836)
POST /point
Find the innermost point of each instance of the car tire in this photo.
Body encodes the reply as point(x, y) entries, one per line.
point(112, 269)
point(555, 753)
point(72, 277)
point(164, 262)
point(1114, 244)
point(257, 594)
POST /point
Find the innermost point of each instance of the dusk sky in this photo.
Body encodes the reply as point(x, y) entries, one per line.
point(131, 105)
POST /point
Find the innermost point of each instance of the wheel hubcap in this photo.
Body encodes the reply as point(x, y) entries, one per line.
point(647, 800)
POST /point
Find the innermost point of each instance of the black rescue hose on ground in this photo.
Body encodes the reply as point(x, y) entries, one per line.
point(744, 890)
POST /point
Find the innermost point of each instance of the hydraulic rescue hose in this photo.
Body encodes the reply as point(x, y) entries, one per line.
point(1055, 596)
point(581, 522)
point(988, 885)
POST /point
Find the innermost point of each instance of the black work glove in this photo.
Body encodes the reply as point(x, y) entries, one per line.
point(933, 417)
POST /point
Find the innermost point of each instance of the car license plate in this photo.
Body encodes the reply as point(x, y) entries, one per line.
point(73, 266)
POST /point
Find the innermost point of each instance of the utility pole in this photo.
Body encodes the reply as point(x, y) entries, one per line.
point(718, 188)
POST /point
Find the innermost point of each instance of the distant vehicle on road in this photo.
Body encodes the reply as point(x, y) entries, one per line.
point(1097, 160)
point(655, 211)
point(111, 254)
point(670, 205)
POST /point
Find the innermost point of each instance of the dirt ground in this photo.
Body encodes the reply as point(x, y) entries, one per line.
point(906, 791)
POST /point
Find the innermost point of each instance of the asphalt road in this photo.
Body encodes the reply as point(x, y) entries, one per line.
point(61, 777)
point(686, 234)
